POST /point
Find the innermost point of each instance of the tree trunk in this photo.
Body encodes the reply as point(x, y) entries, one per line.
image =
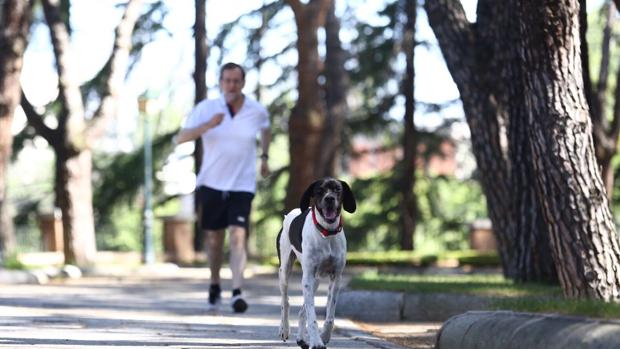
point(72, 139)
point(407, 180)
point(14, 25)
point(74, 189)
point(308, 115)
point(461, 45)
point(481, 61)
point(532, 259)
point(583, 236)
point(336, 96)
point(201, 52)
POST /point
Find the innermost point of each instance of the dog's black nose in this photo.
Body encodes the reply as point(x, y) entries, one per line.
point(330, 199)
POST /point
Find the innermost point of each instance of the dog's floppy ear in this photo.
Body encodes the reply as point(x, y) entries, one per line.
point(305, 199)
point(348, 200)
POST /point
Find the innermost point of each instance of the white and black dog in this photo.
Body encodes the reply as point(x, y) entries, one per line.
point(314, 235)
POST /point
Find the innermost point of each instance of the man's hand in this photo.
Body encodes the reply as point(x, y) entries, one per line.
point(264, 168)
point(190, 134)
point(215, 120)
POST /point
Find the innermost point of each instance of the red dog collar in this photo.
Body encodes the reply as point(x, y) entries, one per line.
point(322, 230)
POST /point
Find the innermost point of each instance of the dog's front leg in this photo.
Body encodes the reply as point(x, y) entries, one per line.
point(284, 274)
point(309, 286)
point(330, 311)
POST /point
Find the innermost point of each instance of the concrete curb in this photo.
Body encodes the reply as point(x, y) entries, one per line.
point(510, 330)
point(38, 276)
point(385, 306)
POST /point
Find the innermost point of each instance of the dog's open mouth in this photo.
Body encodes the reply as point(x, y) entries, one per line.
point(330, 214)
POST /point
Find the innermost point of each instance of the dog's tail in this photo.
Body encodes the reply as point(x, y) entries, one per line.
point(278, 247)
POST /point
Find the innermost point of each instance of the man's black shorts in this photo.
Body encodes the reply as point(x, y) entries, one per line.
point(221, 209)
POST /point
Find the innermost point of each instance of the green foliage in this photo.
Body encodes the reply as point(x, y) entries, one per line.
point(268, 213)
point(476, 258)
point(446, 206)
point(11, 262)
point(119, 179)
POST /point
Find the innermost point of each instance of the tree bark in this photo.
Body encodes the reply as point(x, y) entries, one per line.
point(531, 261)
point(14, 26)
point(582, 231)
point(336, 96)
point(201, 53)
point(481, 60)
point(407, 176)
point(72, 139)
point(462, 50)
point(308, 115)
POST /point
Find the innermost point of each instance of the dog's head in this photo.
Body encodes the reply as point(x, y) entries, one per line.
point(329, 195)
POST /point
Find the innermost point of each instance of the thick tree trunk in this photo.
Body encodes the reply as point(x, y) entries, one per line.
point(407, 176)
point(583, 236)
point(14, 25)
point(481, 61)
point(336, 96)
point(201, 52)
point(73, 189)
point(532, 259)
point(308, 115)
point(461, 45)
point(72, 139)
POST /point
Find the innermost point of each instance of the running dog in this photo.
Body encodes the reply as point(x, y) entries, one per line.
point(314, 235)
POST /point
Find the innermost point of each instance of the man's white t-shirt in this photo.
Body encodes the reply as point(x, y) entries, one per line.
point(229, 156)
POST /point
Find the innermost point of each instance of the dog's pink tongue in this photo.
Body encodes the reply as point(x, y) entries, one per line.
point(330, 214)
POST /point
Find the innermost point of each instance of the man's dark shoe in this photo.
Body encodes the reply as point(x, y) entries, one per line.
point(239, 305)
point(215, 297)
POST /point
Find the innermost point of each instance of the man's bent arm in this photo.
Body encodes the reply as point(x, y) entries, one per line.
point(190, 134)
point(265, 140)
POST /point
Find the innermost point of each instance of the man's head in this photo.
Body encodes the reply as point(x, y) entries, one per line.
point(232, 80)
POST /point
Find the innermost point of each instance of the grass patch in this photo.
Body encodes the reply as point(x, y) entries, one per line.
point(507, 295)
point(486, 285)
point(585, 307)
point(12, 263)
point(415, 259)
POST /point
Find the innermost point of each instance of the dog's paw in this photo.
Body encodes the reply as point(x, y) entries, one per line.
point(283, 333)
point(317, 345)
point(326, 336)
point(302, 344)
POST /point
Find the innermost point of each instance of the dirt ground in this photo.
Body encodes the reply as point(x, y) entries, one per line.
point(414, 335)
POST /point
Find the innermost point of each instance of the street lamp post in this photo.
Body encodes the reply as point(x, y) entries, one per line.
point(146, 104)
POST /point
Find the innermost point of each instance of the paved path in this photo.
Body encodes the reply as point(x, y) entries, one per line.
point(154, 310)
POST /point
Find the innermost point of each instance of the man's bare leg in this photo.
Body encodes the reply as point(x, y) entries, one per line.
point(238, 259)
point(238, 255)
point(215, 253)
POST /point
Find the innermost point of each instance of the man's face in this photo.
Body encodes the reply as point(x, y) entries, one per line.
point(231, 84)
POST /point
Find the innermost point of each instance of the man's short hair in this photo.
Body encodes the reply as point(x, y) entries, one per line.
point(232, 66)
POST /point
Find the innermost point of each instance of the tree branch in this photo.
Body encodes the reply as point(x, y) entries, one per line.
point(35, 120)
point(455, 35)
point(298, 7)
point(70, 95)
point(119, 62)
